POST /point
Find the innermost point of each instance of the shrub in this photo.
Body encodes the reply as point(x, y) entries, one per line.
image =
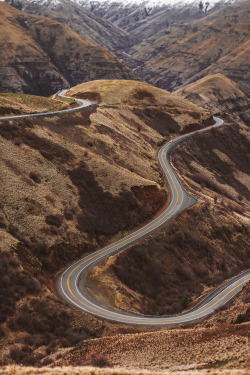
point(243, 318)
point(2, 333)
point(98, 359)
point(28, 121)
point(42, 246)
point(34, 176)
point(14, 231)
point(18, 141)
point(141, 94)
point(2, 222)
point(55, 220)
point(17, 283)
point(246, 298)
point(68, 214)
point(184, 302)
point(17, 354)
point(46, 361)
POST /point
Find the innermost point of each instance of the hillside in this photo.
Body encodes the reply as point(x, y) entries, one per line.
point(143, 19)
point(217, 43)
point(219, 345)
point(40, 56)
point(70, 185)
point(215, 167)
point(81, 20)
point(218, 94)
point(216, 170)
point(19, 104)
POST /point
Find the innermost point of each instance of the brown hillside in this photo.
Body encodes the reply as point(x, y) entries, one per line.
point(218, 94)
point(217, 345)
point(86, 370)
point(15, 104)
point(166, 271)
point(218, 43)
point(84, 22)
point(39, 55)
point(70, 185)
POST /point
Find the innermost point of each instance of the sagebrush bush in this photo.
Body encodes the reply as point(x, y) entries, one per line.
point(17, 284)
point(98, 359)
point(35, 177)
point(55, 220)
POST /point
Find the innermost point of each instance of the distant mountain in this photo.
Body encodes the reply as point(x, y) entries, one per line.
point(217, 43)
point(40, 56)
point(218, 94)
point(81, 20)
point(145, 18)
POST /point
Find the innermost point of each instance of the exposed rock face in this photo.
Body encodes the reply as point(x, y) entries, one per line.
point(40, 56)
point(218, 94)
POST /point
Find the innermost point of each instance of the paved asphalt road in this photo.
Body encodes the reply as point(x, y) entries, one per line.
point(68, 281)
point(82, 104)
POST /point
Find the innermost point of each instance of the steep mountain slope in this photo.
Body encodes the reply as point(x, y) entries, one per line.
point(218, 43)
point(218, 94)
point(85, 23)
point(39, 55)
point(216, 168)
point(69, 185)
point(146, 18)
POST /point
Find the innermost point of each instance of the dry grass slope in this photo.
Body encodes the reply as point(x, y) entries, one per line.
point(15, 104)
point(70, 185)
point(217, 43)
point(40, 56)
point(70, 370)
point(218, 94)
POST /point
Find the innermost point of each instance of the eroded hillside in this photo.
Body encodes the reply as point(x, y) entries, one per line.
point(81, 20)
point(40, 56)
point(217, 43)
point(167, 271)
point(218, 94)
point(70, 185)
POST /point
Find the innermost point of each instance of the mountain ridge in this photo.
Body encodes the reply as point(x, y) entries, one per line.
point(40, 56)
point(217, 43)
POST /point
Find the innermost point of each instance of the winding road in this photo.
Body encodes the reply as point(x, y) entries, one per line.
point(68, 281)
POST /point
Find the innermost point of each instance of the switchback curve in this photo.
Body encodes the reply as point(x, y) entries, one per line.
point(67, 281)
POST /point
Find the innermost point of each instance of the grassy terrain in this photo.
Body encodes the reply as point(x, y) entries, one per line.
point(39, 56)
point(70, 185)
point(72, 370)
point(73, 184)
point(15, 104)
point(217, 43)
